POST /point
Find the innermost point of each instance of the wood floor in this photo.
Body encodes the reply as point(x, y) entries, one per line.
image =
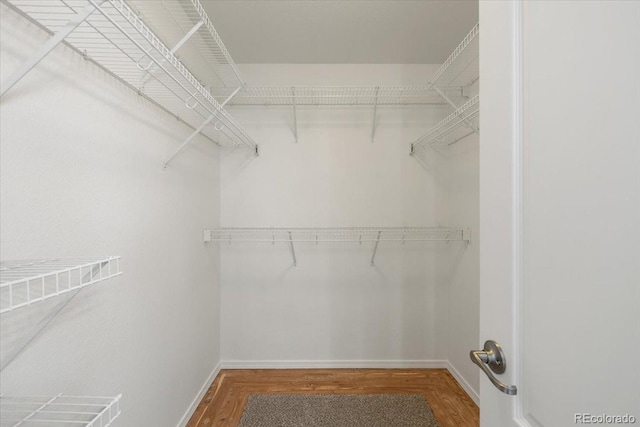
point(224, 402)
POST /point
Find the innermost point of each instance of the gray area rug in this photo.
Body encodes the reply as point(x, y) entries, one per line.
point(334, 410)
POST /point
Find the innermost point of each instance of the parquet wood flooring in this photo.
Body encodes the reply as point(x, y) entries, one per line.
point(224, 402)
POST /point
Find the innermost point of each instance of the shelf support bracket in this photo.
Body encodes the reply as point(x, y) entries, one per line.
point(455, 107)
point(293, 251)
point(375, 248)
point(295, 117)
point(54, 41)
point(375, 110)
point(198, 130)
point(178, 45)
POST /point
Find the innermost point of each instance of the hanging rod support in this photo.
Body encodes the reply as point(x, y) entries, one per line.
point(54, 41)
point(295, 117)
point(293, 251)
point(375, 248)
point(455, 107)
point(375, 110)
point(178, 45)
point(199, 129)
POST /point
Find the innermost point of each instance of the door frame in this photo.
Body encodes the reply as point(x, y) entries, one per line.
point(501, 201)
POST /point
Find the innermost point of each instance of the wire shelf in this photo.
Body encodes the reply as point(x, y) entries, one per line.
point(204, 53)
point(26, 282)
point(317, 235)
point(456, 126)
point(461, 67)
point(336, 95)
point(115, 38)
point(341, 234)
point(59, 410)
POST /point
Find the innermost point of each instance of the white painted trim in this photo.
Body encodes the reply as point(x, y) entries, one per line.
point(518, 206)
point(473, 394)
point(332, 364)
point(196, 400)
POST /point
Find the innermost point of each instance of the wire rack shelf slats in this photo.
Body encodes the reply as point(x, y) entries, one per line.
point(116, 38)
point(340, 234)
point(336, 95)
point(204, 52)
point(26, 282)
point(461, 67)
point(452, 128)
point(318, 235)
point(60, 410)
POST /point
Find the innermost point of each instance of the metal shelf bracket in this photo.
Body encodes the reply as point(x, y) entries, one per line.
point(293, 251)
point(375, 248)
point(295, 117)
point(375, 110)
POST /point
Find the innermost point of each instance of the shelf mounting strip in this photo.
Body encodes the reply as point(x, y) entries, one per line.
point(318, 235)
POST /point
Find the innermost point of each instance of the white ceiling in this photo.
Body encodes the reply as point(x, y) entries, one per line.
point(342, 31)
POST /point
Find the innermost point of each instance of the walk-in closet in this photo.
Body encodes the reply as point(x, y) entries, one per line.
point(332, 213)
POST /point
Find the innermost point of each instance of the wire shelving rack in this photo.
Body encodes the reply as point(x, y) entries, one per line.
point(204, 52)
point(456, 126)
point(460, 69)
point(112, 34)
point(336, 95)
point(26, 282)
point(327, 234)
point(58, 410)
point(317, 235)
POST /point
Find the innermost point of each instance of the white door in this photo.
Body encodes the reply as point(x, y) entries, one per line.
point(560, 210)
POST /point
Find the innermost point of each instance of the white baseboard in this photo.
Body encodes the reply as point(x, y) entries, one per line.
point(196, 401)
point(332, 364)
point(463, 383)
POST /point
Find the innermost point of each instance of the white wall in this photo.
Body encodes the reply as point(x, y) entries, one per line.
point(81, 175)
point(458, 274)
point(333, 309)
point(458, 265)
point(464, 282)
